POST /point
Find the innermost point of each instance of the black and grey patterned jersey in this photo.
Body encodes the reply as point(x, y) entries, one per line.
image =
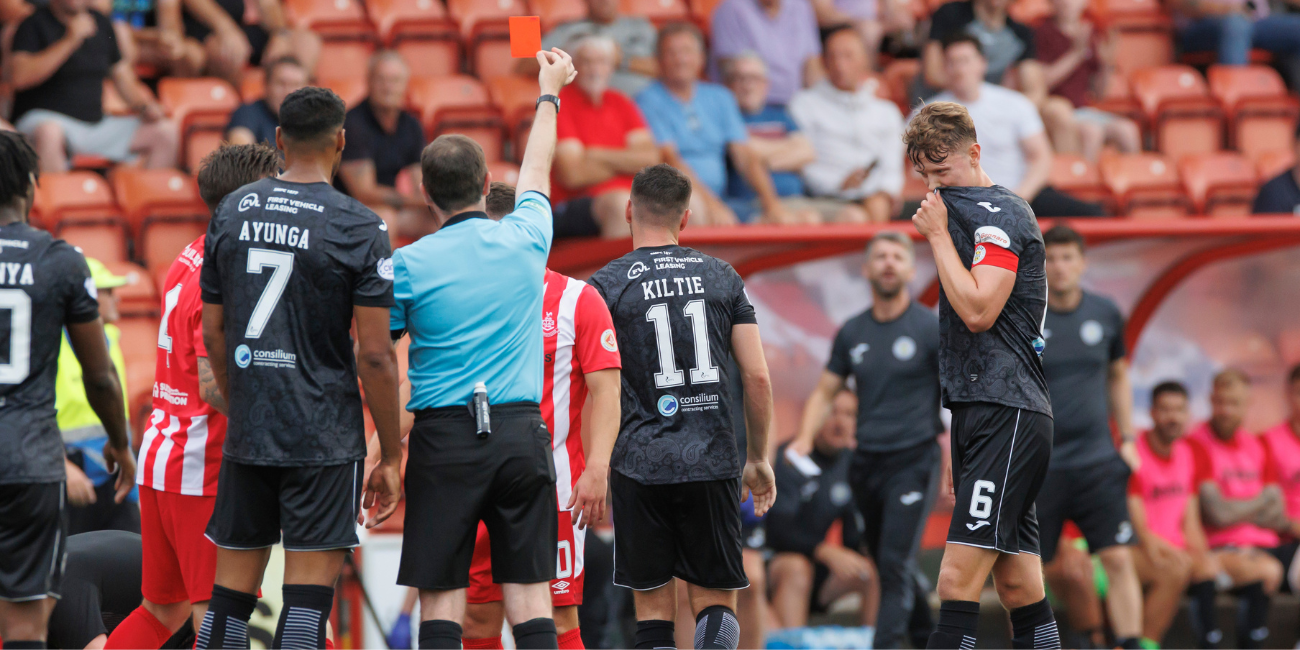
point(1081, 345)
point(44, 285)
point(895, 367)
point(288, 261)
point(991, 225)
point(673, 309)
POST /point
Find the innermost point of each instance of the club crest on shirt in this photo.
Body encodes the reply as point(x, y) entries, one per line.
point(979, 255)
point(1091, 332)
point(904, 348)
point(609, 341)
point(548, 324)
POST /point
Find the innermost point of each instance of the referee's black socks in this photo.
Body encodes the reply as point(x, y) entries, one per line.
point(538, 633)
point(1033, 626)
point(440, 635)
point(654, 634)
point(226, 623)
point(303, 616)
point(716, 627)
point(958, 620)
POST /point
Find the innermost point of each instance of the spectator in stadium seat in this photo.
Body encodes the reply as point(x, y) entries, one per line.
point(807, 572)
point(1014, 150)
point(255, 122)
point(231, 44)
point(157, 29)
point(1241, 506)
point(775, 139)
point(603, 141)
point(1230, 28)
point(1008, 46)
point(874, 20)
point(1282, 443)
point(1077, 61)
point(783, 32)
point(635, 36)
point(698, 128)
point(62, 53)
point(1281, 194)
point(382, 141)
point(90, 485)
point(857, 135)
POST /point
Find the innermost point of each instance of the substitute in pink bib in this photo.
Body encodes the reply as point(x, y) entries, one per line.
point(1237, 467)
point(1165, 484)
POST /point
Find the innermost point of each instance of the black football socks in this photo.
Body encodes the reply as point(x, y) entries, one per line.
point(225, 625)
point(303, 616)
point(1033, 626)
point(1204, 617)
point(958, 621)
point(538, 633)
point(1252, 615)
point(717, 627)
point(655, 634)
point(440, 635)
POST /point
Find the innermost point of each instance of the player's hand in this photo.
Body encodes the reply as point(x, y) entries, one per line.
point(81, 27)
point(932, 217)
point(844, 563)
point(81, 491)
point(587, 503)
point(759, 480)
point(1129, 452)
point(122, 461)
point(557, 70)
point(383, 491)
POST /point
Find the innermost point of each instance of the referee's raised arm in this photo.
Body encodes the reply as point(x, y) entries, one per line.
point(535, 171)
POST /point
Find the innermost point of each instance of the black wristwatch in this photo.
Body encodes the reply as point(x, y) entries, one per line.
point(548, 98)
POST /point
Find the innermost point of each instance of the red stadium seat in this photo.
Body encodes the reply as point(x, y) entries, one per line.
point(1144, 185)
point(458, 104)
point(1117, 98)
point(516, 96)
point(1271, 163)
point(106, 242)
point(332, 19)
point(74, 197)
point(201, 107)
point(554, 12)
point(484, 26)
point(1143, 42)
point(150, 195)
point(343, 60)
point(1077, 176)
point(422, 31)
point(506, 172)
point(659, 12)
point(198, 146)
point(1177, 104)
point(898, 75)
point(140, 351)
point(1219, 184)
point(1262, 116)
point(164, 240)
point(140, 296)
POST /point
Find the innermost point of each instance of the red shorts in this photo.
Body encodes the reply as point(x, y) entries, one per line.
point(566, 588)
point(179, 562)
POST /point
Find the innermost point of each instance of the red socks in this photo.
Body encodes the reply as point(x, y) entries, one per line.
point(571, 640)
point(139, 630)
point(488, 643)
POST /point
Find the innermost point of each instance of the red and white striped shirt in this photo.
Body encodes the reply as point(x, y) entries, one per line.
point(578, 338)
point(181, 450)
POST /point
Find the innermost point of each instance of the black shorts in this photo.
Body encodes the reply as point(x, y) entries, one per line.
point(684, 530)
point(1285, 553)
point(999, 461)
point(1094, 497)
point(316, 507)
point(33, 541)
point(454, 479)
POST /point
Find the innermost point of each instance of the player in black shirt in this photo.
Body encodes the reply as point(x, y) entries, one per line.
point(989, 254)
point(288, 262)
point(892, 352)
point(1087, 480)
point(45, 287)
point(677, 476)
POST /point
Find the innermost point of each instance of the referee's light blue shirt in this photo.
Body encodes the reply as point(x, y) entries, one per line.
point(470, 296)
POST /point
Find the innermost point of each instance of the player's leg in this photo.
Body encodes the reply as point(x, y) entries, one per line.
point(791, 575)
point(715, 617)
point(33, 541)
point(645, 556)
point(1203, 594)
point(706, 522)
point(1164, 582)
point(245, 524)
point(1256, 576)
point(833, 587)
point(1019, 582)
point(1071, 577)
point(485, 612)
point(751, 602)
point(568, 627)
point(570, 580)
point(1101, 512)
point(166, 603)
point(656, 609)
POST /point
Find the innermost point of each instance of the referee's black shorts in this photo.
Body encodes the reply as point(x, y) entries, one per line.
point(454, 479)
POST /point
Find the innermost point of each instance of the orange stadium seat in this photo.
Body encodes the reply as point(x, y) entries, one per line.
point(422, 31)
point(1143, 42)
point(898, 75)
point(1077, 176)
point(150, 195)
point(1261, 115)
point(351, 89)
point(506, 172)
point(1271, 163)
point(74, 197)
point(201, 107)
point(102, 241)
point(164, 240)
point(1177, 104)
point(659, 12)
point(332, 19)
point(198, 146)
point(344, 59)
point(140, 296)
point(1144, 185)
point(252, 85)
point(516, 96)
point(1117, 98)
point(1219, 184)
point(484, 27)
point(139, 350)
point(458, 104)
point(554, 12)
point(1118, 10)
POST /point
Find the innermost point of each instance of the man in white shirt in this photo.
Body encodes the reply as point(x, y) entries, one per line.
point(858, 136)
point(1014, 149)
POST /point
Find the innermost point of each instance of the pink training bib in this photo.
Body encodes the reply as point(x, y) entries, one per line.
point(1283, 446)
point(1237, 467)
point(1165, 485)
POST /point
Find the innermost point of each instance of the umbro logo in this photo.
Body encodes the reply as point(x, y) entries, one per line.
point(910, 498)
point(561, 587)
point(988, 206)
point(977, 525)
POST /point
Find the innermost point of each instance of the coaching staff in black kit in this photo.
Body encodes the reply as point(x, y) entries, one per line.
point(288, 263)
point(677, 476)
point(989, 254)
point(892, 352)
point(1087, 481)
point(470, 296)
point(46, 288)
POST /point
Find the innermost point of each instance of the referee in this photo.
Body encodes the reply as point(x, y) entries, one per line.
point(892, 352)
point(470, 296)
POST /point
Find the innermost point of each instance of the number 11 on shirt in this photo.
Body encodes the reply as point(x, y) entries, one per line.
point(668, 376)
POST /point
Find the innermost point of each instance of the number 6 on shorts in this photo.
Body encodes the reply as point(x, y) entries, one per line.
point(981, 505)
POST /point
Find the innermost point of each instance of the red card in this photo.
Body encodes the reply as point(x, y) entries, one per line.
point(525, 36)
